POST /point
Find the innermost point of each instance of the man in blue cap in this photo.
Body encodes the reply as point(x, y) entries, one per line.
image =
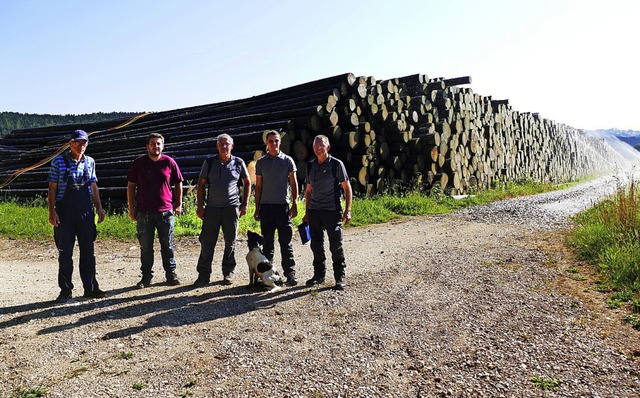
point(73, 194)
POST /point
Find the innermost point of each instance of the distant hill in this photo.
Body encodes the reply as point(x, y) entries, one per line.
point(631, 137)
point(10, 121)
point(632, 140)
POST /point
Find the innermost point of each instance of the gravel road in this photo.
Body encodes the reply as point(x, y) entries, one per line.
point(472, 304)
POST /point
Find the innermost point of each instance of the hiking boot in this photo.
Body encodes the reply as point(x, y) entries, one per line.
point(315, 281)
point(201, 281)
point(64, 296)
point(144, 282)
point(291, 280)
point(172, 279)
point(340, 285)
point(94, 294)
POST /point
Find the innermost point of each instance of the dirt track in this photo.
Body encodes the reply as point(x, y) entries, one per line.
point(456, 305)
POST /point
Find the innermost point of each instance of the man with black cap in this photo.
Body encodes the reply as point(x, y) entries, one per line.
point(73, 194)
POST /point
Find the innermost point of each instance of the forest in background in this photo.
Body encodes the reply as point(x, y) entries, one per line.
point(10, 121)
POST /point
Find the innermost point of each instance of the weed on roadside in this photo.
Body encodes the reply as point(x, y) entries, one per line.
point(602, 287)
point(545, 383)
point(635, 305)
point(617, 298)
point(634, 320)
point(34, 392)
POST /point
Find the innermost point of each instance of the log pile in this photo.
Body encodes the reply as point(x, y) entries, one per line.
point(408, 132)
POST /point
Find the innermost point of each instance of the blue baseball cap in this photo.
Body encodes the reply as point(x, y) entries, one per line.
point(79, 135)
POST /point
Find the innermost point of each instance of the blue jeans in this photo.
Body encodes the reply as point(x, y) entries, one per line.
point(214, 219)
point(148, 223)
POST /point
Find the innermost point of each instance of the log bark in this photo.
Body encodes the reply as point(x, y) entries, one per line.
point(456, 81)
point(410, 128)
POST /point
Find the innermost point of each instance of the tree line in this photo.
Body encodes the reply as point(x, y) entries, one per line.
point(10, 121)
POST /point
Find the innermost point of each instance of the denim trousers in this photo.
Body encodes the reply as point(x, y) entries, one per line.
point(275, 217)
point(331, 222)
point(214, 219)
point(148, 223)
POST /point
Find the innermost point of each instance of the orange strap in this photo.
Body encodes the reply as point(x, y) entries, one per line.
point(60, 150)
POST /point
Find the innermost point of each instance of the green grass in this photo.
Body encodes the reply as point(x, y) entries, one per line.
point(25, 220)
point(546, 383)
point(34, 392)
point(30, 220)
point(607, 237)
point(634, 320)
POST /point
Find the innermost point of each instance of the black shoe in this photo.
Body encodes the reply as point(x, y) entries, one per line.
point(291, 280)
point(172, 279)
point(227, 280)
point(201, 281)
point(64, 296)
point(340, 285)
point(94, 294)
point(315, 281)
point(144, 282)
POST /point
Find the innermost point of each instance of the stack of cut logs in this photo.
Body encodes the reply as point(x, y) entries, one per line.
point(410, 133)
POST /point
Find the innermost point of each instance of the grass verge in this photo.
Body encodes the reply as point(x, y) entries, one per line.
point(30, 220)
point(607, 238)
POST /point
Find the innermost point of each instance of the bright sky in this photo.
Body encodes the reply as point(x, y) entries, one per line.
point(573, 61)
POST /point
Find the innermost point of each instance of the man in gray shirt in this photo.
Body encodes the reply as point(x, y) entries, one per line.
point(326, 180)
point(275, 178)
point(219, 177)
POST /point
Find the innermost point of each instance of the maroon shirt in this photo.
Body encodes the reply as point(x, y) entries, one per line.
point(154, 181)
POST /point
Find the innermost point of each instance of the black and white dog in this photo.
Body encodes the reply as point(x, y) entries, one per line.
point(259, 265)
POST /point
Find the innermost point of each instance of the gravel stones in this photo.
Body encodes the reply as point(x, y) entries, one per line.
point(460, 305)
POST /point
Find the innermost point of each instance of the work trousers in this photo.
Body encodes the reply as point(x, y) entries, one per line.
point(214, 219)
point(275, 217)
point(77, 219)
point(331, 222)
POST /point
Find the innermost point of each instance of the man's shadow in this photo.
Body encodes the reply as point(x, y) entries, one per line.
point(172, 310)
point(51, 308)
